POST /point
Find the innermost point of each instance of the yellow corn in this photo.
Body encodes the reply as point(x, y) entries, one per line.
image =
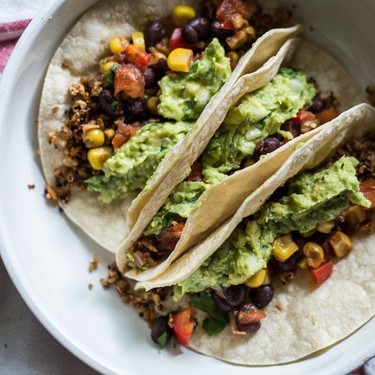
point(325, 227)
point(106, 66)
point(314, 254)
point(340, 243)
point(257, 280)
point(94, 138)
point(249, 30)
point(182, 14)
point(179, 59)
point(138, 39)
point(308, 234)
point(354, 216)
point(109, 134)
point(249, 163)
point(98, 156)
point(303, 264)
point(118, 45)
point(152, 104)
point(237, 40)
point(283, 247)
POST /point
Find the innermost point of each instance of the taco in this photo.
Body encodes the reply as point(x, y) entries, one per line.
point(260, 130)
point(123, 89)
point(295, 261)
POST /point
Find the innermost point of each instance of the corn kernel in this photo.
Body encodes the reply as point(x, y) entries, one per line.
point(98, 156)
point(314, 254)
point(118, 45)
point(152, 104)
point(179, 59)
point(284, 247)
point(303, 264)
point(257, 280)
point(94, 138)
point(340, 243)
point(106, 66)
point(308, 234)
point(182, 14)
point(138, 39)
point(249, 163)
point(109, 134)
point(325, 227)
point(233, 57)
point(354, 216)
point(249, 30)
point(237, 40)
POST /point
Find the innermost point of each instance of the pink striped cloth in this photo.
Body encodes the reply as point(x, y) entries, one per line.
point(9, 34)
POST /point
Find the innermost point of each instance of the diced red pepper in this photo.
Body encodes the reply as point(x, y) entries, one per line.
point(123, 134)
point(303, 116)
point(322, 273)
point(326, 115)
point(196, 172)
point(183, 325)
point(368, 190)
point(137, 56)
point(168, 238)
point(129, 78)
point(177, 41)
point(228, 9)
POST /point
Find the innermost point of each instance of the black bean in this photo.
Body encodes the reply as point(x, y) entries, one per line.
point(220, 32)
point(159, 327)
point(269, 144)
point(109, 104)
point(288, 265)
point(262, 295)
point(292, 127)
point(221, 304)
point(195, 30)
point(317, 105)
point(235, 294)
point(242, 320)
point(150, 77)
point(135, 110)
point(161, 66)
point(154, 33)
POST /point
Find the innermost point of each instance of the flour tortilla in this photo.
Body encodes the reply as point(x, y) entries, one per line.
point(302, 318)
point(211, 210)
point(79, 55)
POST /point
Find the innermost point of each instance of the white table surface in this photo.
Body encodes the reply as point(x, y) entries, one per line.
point(26, 347)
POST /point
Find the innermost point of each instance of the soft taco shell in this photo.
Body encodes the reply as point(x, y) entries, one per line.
point(211, 210)
point(302, 318)
point(79, 55)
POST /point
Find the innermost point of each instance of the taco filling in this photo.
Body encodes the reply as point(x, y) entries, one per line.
point(305, 226)
point(148, 93)
point(260, 123)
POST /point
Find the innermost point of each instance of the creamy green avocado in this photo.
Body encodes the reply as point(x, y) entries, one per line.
point(184, 95)
point(183, 98)
point(313, 198)
point(256, 116)
point(132, 164)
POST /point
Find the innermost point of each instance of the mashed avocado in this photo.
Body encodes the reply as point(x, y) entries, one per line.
point(313, 198)
point(184, 95)
point(132, 164)
point(256, 116)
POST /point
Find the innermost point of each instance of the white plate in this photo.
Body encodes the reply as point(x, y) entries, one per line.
point(47, 257)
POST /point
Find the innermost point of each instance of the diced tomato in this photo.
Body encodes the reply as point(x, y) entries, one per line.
point(322, 273)
point(168, 238)
point(123, 134)
point(129, 78)
point(326, 115)
point(303, 116)
point(228, 9)
point(368, 190)
point(137, 56)
point(177, 41)
point(251, 316)
point(196, 172)
point(183, 325)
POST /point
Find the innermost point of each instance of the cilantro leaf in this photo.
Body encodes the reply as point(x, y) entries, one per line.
point(217, 320)
point(162, 340)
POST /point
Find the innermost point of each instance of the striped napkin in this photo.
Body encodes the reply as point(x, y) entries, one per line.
point(15, 15)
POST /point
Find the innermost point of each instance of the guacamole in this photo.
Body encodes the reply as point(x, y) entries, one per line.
point(312, 198)
point(183, 98)
point(256, 116)
point(132, 164)
point(184, 95)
